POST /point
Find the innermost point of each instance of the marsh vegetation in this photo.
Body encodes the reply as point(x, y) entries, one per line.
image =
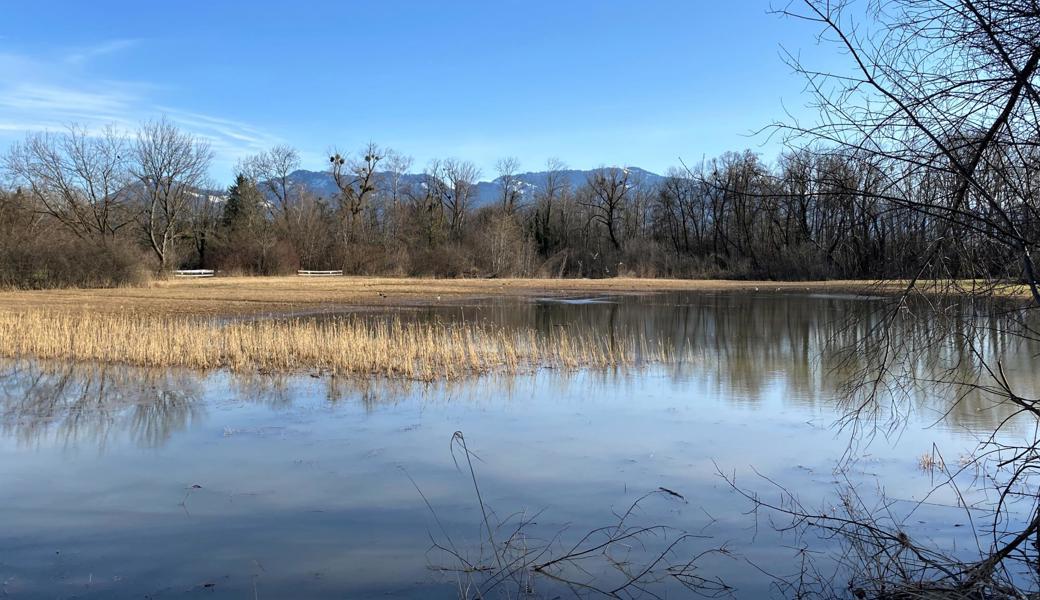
point(341, 346)
point(336, 468)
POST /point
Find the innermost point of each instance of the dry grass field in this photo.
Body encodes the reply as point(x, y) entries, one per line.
point(179, 323)
point(232, 296)
point(342, 346)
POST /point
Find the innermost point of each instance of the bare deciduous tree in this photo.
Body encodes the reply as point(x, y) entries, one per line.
point(939, 112)
point(511, 186)
point(80, 179)
point(943, 90)
point(607, 199)
point(272, 171)
point(549, 196)
point(171, 167)
point(397, 166)
point(356, 181)
point(454, 183)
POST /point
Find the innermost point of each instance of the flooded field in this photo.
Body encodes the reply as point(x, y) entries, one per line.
point(133, 483)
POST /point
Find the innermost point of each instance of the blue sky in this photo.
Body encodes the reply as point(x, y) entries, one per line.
point(591, 82)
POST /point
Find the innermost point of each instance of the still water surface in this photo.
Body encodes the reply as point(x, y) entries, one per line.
point(133, 483)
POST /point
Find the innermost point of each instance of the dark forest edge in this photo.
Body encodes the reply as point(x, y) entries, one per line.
point(101, 209)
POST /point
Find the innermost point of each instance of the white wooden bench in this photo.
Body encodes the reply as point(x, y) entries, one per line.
point(194, 273)
point(306, 273)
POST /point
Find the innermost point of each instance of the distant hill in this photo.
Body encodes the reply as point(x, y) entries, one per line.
point(320, 183)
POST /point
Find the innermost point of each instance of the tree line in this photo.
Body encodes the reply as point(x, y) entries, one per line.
point(108, 208)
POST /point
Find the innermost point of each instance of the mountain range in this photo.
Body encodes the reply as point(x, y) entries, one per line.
point(321, 184)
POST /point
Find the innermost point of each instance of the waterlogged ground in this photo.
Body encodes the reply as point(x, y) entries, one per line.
point(129, 483)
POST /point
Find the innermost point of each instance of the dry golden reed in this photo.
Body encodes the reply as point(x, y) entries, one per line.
point(343, 346)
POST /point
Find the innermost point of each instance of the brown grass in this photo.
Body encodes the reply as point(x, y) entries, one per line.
point(173, 323)
point(341, 346)
point(287, 295)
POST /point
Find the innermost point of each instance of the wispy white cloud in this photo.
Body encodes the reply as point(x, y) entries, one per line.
point(59, 100)
point(220, 131)
point(49, 94)
point(85, 54)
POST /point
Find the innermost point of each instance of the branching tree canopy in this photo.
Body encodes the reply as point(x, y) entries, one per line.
point(356, 180)
point(80, 178)
point(607, 199)
point(453, 182)
point(271, 171)
point(938, 91)
point(507, 169)
point(939, 109)
point(171, 167)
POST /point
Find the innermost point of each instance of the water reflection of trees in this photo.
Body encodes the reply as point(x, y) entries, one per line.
point(749, 343)
point(76, 404)
point(743, 347)
point(86, 404)
point(801, 347)
point(939, 362)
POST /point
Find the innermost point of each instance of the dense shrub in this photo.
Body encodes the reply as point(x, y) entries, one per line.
point(50, 263)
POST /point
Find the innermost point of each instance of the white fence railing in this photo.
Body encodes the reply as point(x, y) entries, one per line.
point(194, 273)
point(306, 273)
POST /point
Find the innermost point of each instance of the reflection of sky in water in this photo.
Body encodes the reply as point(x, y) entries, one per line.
point(303, 486)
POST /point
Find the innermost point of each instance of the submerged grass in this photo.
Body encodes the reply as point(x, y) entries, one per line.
point(348, 346)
